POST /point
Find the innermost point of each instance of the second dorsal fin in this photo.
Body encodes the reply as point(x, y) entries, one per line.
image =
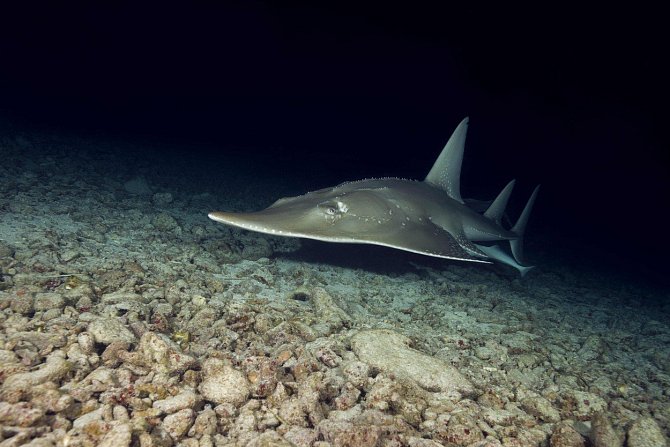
point(497, 208)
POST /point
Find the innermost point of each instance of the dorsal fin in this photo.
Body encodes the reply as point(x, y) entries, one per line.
point(446, 172)
point(497, 208)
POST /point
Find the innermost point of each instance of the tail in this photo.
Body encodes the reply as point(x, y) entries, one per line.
point(495, 213)
point(520, 226)
point(497, 253)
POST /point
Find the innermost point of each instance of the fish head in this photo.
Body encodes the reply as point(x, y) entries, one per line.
point(329, 215)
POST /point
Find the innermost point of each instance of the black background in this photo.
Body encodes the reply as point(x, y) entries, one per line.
point(570, 97)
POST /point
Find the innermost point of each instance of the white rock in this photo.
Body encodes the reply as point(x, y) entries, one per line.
point(178, 423)
point(108, 330)
point(183, 400)
point(46, 301)
point(356, 372)
point(121, 296)
point(602, 434)
point(389, 352)
point(120, 413)
point(102, 375)
point(645, 432)
point(565, 435)
point(205, 423)
point(91, 416)
point(119, 436)
point(541, 408)
point(163, 354)
point(222, 383)
point(86, 342)
point(55, 368)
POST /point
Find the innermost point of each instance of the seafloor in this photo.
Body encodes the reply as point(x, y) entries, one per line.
point(129, 318)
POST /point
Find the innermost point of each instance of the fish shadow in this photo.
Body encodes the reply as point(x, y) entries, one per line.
point(373, 258)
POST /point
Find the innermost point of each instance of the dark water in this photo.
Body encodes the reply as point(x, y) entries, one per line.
point(231, 107)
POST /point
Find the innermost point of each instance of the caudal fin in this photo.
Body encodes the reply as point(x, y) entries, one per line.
point(497, 253)
point(520, 227)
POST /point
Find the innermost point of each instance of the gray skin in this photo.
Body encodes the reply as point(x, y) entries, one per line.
point(404, 214)
point(427, 217)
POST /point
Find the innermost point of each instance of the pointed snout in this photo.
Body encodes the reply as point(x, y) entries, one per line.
point(242, 220)
point(268, 221)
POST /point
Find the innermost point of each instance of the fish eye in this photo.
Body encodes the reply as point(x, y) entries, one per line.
point(331, 208)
